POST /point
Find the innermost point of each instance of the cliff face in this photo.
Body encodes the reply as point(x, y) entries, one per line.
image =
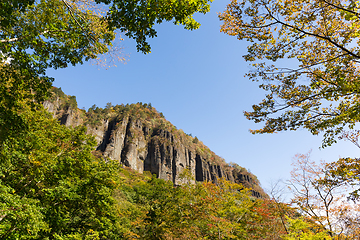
point(140, 138)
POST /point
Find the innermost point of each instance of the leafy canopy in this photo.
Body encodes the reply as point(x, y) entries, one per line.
point(137, 18)
point(51, 184)
point(38, 35)
point(321, 202)
point(306, 53)
point(197, 211)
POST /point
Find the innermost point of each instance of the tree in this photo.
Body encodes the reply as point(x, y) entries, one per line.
point(109, 106)
point(307, 54)
point(346, 171)
point(200, 211)
point(137, 18)
point(51, 184)
point(301, 229)
point(318, 89)
point(7, 8)
point(37, 35)
point(42, 35)
point(322, 204)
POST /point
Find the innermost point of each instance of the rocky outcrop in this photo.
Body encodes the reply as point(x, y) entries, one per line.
point(141, 144)
point(67, 115)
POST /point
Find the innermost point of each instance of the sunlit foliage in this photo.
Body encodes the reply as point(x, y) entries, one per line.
point(305, 55)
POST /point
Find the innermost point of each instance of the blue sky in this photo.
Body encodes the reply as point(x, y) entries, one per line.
point(196, 79)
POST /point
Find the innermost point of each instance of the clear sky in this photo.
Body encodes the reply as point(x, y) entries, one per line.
point(196, 79)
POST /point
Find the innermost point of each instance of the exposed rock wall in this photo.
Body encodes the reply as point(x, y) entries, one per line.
point(136, 145)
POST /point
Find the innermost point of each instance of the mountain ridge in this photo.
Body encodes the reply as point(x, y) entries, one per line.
point(139, 137)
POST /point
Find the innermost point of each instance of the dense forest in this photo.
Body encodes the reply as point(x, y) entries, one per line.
point(58, 180)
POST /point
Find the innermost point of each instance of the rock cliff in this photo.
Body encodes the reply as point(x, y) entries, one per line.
point(141, 138)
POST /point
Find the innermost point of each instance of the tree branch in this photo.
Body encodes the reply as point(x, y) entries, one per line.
point(19, 38)
point(76, 21)
point(341, 8)
point(312, 34)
